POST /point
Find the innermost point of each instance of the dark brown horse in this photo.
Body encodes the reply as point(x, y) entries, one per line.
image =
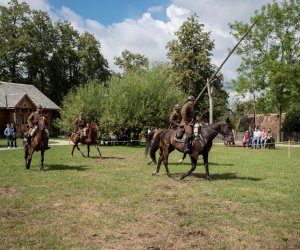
point(39, 143)
point(90, 140)
point(167, 142)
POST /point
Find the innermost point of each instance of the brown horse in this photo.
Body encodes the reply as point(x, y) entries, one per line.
point(90, 140)
point(167, 142)
point(39, 143)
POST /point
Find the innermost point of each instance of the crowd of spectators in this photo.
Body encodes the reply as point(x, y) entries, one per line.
point(257, 138)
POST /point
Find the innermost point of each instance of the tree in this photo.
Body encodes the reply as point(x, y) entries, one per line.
point(130, 62)
point(52, 57)
point(93, 66)
point(190, 59)
point(271, 55)
point(40, 48)
point(13, 40)
point(125, 103)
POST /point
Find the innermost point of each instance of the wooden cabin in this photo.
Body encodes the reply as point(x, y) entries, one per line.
point(18, 101)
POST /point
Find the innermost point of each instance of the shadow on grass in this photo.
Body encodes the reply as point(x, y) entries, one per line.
point(64, 167)
point(106, 157)
point(200, 163)
point(225, 176)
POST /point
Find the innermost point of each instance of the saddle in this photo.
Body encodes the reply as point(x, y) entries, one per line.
point(180, 136)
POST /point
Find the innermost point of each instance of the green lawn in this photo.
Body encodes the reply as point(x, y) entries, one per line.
point(252, 201)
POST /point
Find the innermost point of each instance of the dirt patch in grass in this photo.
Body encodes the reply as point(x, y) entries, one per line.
point(8, 191)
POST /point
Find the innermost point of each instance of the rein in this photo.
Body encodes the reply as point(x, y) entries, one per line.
point(226, 134)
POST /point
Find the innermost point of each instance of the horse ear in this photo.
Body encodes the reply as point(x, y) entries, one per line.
point(227, 120)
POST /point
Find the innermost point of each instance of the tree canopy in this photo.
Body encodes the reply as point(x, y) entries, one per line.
point(138, 100)
point(271, 55)
point(190, 57)
point(52, 56)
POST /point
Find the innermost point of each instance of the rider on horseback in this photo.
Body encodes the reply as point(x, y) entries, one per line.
point(175, 117)
point(32, 124)
point(80, 126)
point(187, 114)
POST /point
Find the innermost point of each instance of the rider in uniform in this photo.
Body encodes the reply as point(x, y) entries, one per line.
point(175, 117)
point(33, 122)
point(80, 126)
point(187, 114)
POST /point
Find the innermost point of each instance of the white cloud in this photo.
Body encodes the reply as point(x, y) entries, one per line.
point(155, 9)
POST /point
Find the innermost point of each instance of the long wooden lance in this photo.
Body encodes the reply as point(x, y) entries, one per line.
point(230, 53)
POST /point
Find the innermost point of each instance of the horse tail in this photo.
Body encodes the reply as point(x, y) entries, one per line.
point(148, 142)
point(155, 146)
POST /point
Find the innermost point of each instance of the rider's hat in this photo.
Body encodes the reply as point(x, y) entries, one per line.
point(176, 106)
point(39, 106)
point(191, 98)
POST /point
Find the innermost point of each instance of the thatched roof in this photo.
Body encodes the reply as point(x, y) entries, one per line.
point(12, 93)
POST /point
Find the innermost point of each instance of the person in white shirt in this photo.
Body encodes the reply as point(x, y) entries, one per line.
point(256, 138)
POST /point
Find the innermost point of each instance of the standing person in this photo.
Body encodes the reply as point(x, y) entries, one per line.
point(250, 137)
point(14, 134)
point(8, 133)
point(80, 126)
point(187, 114)
point(175, 117)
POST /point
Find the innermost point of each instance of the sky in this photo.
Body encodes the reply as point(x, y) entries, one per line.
point(146, 26)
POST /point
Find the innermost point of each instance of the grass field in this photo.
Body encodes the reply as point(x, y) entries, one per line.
point(252, 201)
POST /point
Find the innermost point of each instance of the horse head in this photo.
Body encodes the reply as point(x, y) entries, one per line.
point(226, 128)
point(42, 122)
point(94, 127)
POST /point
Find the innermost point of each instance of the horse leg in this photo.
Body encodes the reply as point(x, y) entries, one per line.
point(100, 155)
point(26, 158)
point(165, 160)
point(205, 161)
point(182, 159)
point(80, 150)
point(42, 160)
point(158, 165)
point(74, 146)
point(88, 149)
point(29, 158)
point(194, 165)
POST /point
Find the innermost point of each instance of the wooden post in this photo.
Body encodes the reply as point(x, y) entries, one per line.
point(289, 149)
point(211, 106)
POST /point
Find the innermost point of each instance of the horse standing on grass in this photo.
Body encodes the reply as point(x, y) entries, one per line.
point(167, 142)
point(38, 143)
point(90, 140)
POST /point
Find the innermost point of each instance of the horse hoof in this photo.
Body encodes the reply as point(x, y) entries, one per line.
point(182, 177)
point(154, 173)
point(208, 178)
point(169, 175)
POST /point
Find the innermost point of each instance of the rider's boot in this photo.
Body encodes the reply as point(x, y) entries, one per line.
point(187, 145)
